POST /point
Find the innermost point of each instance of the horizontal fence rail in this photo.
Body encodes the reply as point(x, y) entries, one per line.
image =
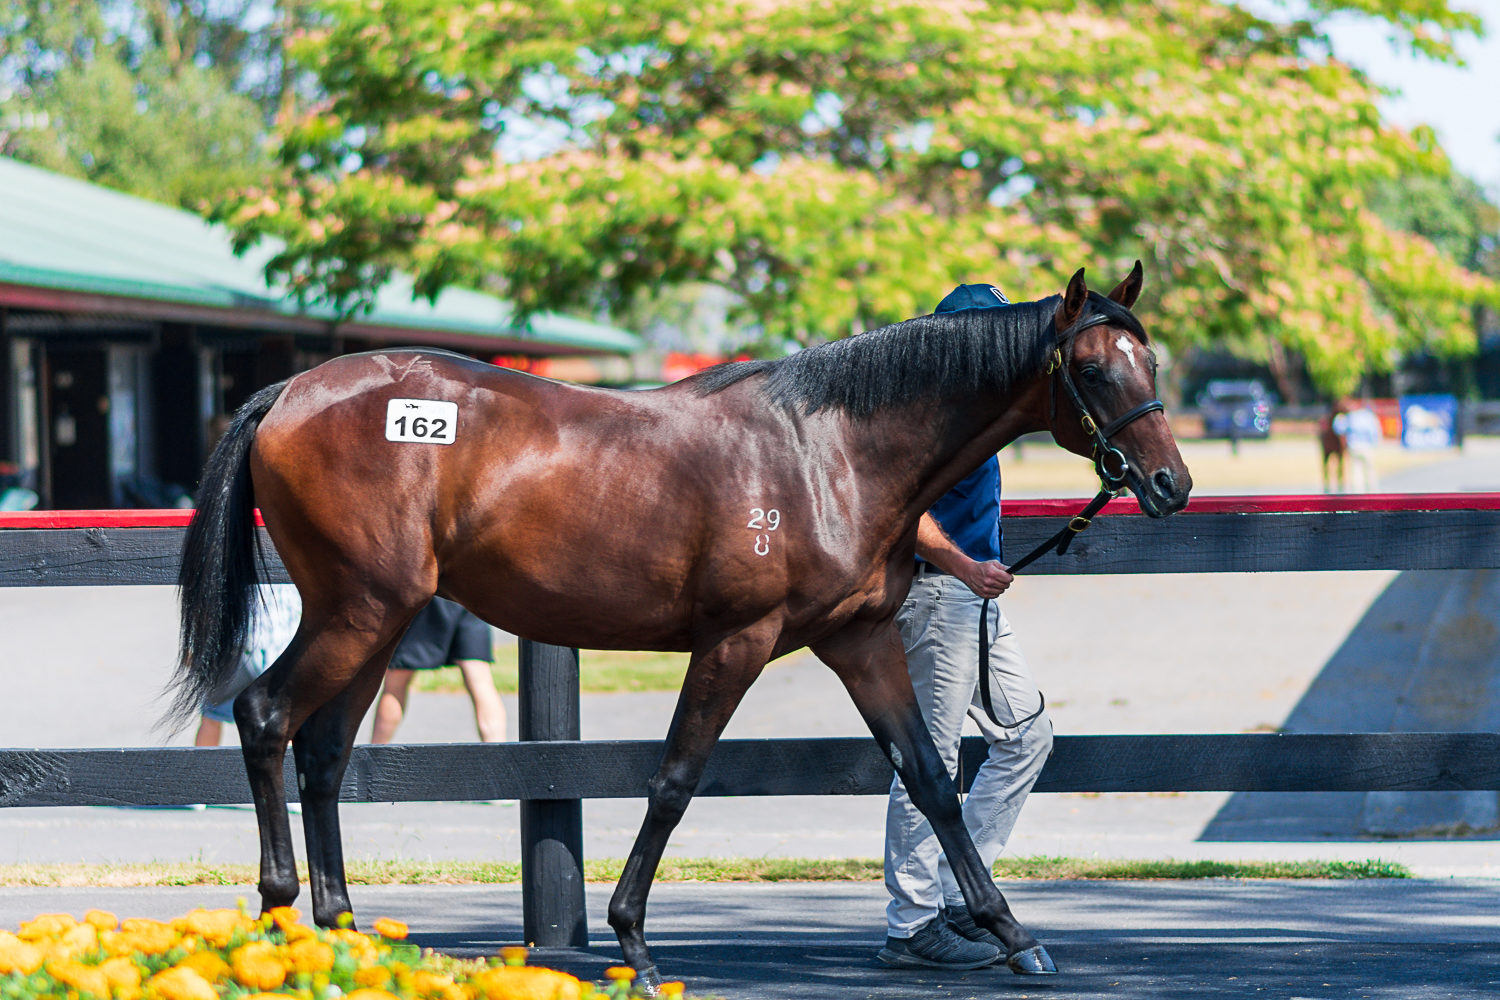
point(551, 771)
point(554, 770)
point(1214, 535)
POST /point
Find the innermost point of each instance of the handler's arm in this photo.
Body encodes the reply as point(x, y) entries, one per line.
point(987, 579)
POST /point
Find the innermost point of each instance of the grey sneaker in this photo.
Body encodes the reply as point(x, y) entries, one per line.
point(936, 946)
point(964, 924)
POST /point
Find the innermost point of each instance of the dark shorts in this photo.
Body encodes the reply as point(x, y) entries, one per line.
point(442, 634)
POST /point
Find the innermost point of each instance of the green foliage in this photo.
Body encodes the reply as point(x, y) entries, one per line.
point(839, 164)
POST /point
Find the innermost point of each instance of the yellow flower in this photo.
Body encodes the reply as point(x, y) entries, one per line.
point(524, 983)
point(17, 955)
point(150, 937)
point(101, 920)
point(87, 978)
point(513, 955)
point(309, 955)
point(257, 966)
point(672, 989)
point(624, 972)
point(372, 976)
point(178, 983)
point(48, 925)
point(214, 926)
point(366, 994)
point(207, 964)
point(388, 928)
point(80, 938)
point(123, 975)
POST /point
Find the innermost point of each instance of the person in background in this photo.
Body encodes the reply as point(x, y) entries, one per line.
point(1360, 428)
point(444, 633)
point(274, 616)
point(958, 568)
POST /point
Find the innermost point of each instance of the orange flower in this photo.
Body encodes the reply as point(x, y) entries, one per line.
point(45, 926)
point(513, 955)
point(102, 920)
point(377, 976)
point(672, 989)
point(366, 994)
point(124, 978)
point(395, 930)
point(214, 926)
point(359, 946)
point(624, 972)
point(524, 983)
point(434, 984)
point(283, 916)
point(258, 966)
point(207, 964)
point(178, 983)
point(17, 955)
point(150, 937)
point(309, 955)
point(80, 938)
point(87, 978)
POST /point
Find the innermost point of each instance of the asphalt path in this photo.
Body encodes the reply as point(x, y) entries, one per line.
point(1408, 939)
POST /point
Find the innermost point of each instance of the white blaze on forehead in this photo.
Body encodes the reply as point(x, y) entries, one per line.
point(1127, 348)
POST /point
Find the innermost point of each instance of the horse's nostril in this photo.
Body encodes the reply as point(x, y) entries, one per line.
point(1163, 483)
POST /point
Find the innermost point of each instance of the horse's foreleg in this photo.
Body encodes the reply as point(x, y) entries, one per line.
point(716, 681)
point(872, 665)
point(322, 747)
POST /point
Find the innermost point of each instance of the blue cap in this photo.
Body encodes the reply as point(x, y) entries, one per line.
point(972, 297)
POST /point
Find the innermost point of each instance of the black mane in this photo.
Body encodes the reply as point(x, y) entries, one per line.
point(969, 350)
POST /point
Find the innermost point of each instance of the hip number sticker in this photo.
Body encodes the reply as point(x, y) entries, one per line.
point(421, 421)
point(770, 520)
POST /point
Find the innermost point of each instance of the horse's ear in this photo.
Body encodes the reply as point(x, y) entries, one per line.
point(1127, 291)
point(1074, 299)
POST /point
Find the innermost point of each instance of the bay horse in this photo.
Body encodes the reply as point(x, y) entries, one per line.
point(742, 513)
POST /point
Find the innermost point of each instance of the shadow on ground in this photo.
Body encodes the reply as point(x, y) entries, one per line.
point(1424, 658)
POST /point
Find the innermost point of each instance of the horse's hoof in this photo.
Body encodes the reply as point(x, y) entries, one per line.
point(1034, 961)
point(648, 981)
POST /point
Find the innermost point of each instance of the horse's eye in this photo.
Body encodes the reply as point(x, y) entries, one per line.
point(1091, 374)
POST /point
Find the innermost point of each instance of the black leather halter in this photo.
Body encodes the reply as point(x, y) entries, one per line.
point(1112, 482)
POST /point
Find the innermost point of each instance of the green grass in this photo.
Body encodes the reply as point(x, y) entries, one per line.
point(599, 672)
point(692, 870)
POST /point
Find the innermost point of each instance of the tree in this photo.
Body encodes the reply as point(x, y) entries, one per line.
point(167, 100)
point(839, 164)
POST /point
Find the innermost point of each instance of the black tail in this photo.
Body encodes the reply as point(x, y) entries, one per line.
point(216, 581)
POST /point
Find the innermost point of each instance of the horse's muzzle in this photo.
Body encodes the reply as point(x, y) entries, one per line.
point(1163, 492)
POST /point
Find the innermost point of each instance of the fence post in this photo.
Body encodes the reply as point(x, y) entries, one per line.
point(552, 906)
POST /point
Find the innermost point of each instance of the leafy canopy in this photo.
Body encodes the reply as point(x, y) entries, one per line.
point(840, 164)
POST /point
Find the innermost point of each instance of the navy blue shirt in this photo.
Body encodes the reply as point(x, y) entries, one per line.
point(970, 512)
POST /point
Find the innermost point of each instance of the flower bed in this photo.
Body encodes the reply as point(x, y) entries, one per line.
point(229, 955)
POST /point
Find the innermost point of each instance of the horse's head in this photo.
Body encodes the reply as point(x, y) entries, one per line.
point(1104, 404)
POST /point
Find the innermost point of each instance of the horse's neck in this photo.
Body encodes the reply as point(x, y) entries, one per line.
point(933, 444)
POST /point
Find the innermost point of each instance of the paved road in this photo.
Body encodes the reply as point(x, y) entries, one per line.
point(1413, 940)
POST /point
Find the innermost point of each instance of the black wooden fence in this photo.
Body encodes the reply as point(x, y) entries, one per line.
point(551, 771)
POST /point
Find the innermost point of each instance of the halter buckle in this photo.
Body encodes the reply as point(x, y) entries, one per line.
point(1089, 427)
point(1078, 523)
point(1053, 363)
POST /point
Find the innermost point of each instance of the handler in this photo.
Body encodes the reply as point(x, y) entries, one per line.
point(958, 565)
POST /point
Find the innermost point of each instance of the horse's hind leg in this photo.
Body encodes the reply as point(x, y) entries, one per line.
point(322, 747)
point(872, 665)
point(321, 661)
point(716, 681)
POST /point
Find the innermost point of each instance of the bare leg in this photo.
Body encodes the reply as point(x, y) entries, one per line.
point(872, 664)
point(716, 681)
point(392, 707)
point(210, 732)
point(489, 710)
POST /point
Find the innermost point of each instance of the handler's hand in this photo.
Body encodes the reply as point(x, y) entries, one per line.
point(987, 579)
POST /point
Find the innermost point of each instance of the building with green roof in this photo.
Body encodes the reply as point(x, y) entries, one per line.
point(129, 329)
